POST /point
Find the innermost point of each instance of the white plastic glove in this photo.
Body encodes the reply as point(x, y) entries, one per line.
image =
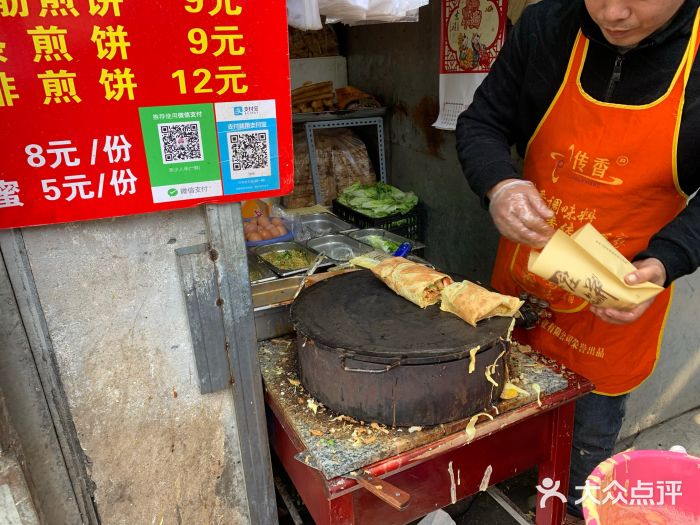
point(519, 212)
point(648, 270)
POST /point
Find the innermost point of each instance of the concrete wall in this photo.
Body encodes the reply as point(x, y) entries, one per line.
point(159, 451)
point(399, 63)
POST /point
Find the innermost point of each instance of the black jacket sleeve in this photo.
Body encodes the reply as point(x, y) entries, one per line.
point(677, 245)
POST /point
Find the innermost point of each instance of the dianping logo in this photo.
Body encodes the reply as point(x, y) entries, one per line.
point(238, 110)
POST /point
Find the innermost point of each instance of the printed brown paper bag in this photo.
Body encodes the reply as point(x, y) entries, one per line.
point(588, 266)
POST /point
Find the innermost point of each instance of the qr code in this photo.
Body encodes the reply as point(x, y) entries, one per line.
point(180, 142)
point(249, 152)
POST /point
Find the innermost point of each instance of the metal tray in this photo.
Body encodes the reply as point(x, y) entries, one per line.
point(338, 248)
point(317, 224)
point(361, 235)
point(258, 271)
point(260, 251)
point(273, 293)
point(271, 302)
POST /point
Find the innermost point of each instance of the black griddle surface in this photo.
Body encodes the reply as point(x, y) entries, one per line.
point(359, 315)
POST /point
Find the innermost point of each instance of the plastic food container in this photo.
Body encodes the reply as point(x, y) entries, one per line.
point(655, 487)
point(407, 224)
point(281, 238)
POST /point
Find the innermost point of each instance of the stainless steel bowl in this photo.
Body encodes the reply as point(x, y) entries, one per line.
point(317, 224)
point(338, 248)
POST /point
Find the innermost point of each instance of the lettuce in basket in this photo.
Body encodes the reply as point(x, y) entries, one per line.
point(377, 200)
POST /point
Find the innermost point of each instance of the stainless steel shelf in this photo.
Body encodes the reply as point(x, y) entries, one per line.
point(301, 118)
point(346, 122)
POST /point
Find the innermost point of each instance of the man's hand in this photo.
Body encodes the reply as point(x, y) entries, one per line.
point(648, 270)
point(519, 212)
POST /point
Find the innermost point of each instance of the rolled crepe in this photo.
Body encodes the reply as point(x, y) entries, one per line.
point(415, 282)
point(472, 303)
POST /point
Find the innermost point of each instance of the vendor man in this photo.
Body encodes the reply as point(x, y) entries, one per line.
point(602, 100)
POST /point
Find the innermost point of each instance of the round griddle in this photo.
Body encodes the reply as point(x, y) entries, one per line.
point(360, 316)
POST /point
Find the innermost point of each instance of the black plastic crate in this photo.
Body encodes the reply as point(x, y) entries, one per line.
point(406, 224)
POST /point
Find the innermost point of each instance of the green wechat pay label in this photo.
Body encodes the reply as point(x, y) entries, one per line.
point(181, 151)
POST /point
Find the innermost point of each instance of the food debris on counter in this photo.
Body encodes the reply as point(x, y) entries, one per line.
point(379, 427)
point(359, 440)
point(471, 426)
point(538, 390)
point(511, 391)
point(312, 405)
point(345, 418)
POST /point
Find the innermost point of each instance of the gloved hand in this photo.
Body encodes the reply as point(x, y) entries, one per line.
point(648, 270)
point(519, 212)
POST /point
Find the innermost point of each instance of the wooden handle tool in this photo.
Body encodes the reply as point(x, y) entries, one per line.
point(384, 490)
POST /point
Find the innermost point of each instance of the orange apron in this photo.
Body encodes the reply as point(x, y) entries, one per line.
point(614, 166)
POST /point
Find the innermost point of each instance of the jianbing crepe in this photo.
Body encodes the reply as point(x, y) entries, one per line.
point(473, 303)
point(415, 282)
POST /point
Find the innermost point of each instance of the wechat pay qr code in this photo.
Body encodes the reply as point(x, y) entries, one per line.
point(180, 142)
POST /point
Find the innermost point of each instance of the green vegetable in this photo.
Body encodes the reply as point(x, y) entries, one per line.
point(377, 200)
point(329, 442)
point(286, 259)
point(380, 243)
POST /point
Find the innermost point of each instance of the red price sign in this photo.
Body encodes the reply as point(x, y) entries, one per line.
point(118, 107)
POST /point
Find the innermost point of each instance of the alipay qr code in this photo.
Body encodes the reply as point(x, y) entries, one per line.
point(249, 154)
point(180, 142)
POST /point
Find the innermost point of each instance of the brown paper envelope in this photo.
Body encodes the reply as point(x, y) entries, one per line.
point(605, 253)
point(588, 266)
